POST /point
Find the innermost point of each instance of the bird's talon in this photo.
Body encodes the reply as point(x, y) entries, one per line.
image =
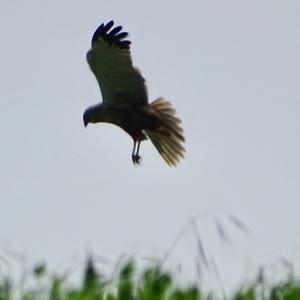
point(136, 159)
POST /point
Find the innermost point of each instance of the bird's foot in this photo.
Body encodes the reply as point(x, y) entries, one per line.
point(136, 159)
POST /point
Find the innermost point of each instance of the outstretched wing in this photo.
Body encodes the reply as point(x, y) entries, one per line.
point(121, 84)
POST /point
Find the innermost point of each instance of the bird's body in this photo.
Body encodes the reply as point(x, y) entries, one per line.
point(132, 120)
point(125, 100)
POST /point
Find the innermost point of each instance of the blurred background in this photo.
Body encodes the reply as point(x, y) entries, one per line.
point(231, 69)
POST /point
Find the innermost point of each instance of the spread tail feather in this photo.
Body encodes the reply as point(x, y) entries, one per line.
point(168, 138)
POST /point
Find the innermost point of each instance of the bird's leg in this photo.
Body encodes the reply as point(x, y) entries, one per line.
point(135, 152)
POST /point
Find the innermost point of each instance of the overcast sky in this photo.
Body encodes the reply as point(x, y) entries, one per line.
point(231, 69)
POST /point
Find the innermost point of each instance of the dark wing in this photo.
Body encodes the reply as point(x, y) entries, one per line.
point(121, 84)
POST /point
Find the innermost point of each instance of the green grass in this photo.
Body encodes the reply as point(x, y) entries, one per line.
point(150, 284)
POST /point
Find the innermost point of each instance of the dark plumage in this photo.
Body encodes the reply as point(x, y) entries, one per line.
point(125, 100)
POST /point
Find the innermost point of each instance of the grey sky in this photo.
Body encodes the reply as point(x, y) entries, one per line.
point(232, 70)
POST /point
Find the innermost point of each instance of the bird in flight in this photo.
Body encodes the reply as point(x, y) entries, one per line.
point(125, 99)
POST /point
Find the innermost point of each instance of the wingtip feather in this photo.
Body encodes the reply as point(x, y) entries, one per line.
point(113, 37)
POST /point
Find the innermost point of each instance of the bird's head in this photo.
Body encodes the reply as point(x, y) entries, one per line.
point(86, 117)
point(94, 114)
